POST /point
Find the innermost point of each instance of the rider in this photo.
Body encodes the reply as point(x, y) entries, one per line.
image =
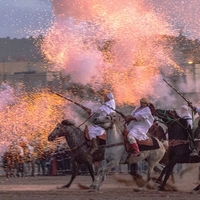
point(196, 140)
point(186, 115)
point(108, 107)
point(139, 122)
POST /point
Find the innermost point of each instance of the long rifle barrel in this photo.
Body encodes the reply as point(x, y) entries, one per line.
point(178, 92)
point(88, 110)
point(114, 110)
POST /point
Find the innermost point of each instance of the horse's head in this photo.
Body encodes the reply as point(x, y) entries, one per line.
point(108, 121)
point(166, 115)
point(57, 132)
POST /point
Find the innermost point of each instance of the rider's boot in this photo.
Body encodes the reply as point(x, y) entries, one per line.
point(135, 149)
point(94, 146)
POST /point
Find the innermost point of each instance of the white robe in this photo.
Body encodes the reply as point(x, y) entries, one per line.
point(104, 110)
point(138, 129)
point(186, 115)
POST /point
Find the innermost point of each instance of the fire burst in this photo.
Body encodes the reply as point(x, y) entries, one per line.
point(115, 43)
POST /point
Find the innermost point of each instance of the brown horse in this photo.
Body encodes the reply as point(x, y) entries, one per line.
point(179, 146)
point(78, 145)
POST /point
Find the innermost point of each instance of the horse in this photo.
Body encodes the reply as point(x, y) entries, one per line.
point(78, 144)
point(116, 152)
point(179, 145)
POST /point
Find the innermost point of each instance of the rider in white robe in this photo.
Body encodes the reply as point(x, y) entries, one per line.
point(195, 151)
point(108, 107)
point(186, 115)
point(140, 120)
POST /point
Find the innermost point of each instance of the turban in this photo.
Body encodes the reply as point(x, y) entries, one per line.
point(110, 96)
point(144, 100)
point(184, 107)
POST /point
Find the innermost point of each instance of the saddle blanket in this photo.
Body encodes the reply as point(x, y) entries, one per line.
point(150, 145)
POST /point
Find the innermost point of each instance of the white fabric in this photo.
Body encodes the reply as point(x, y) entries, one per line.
point(107, 107)
point(139, 129)
point(198, 111)
point(104, 110)
point(110, 96)
point(186, 115)
point(184, 107)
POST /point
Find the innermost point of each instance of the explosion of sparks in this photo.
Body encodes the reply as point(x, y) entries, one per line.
point(117, 43)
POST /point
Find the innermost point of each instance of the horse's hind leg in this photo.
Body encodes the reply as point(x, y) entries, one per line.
point(74, 173)
point(91, 171)
point(196, 189)
point(103, 171)
point(169, 170)
point(199, 173)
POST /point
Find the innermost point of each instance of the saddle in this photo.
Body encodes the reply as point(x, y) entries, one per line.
point(144, 145)
point(86, 133)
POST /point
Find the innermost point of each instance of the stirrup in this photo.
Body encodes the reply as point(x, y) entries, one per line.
point(194, 153)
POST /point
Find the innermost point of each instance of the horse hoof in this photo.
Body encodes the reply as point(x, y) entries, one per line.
point(194, 192)
point(94, 187)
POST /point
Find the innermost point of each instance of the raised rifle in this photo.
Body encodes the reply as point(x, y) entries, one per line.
point(88, 110)
point(189, 102)
point(113, 109)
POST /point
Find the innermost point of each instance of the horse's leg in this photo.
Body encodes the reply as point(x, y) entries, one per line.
point(159, 180)
point(74, 173)
point(196, 189)
point(91, 171)
point(169, 170)
point(103, 171)
point(199, 173)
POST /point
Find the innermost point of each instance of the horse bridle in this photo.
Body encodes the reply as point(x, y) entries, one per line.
point(165, 116)
point(116, 144)
point(169, 119)
point(175, 142)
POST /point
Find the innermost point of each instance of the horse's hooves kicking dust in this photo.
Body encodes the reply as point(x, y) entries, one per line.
point(126, 181)
point(169, 187)
point(83, 187)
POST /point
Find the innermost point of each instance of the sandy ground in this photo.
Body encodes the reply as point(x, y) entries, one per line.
point(45, 187)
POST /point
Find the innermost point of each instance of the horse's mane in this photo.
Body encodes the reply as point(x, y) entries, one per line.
point(67, 122)
point(176, 114)
point(119, 119)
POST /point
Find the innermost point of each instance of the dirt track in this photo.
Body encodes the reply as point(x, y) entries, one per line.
point(45, 187)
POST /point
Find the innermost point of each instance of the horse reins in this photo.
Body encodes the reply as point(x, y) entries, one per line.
point(175, 142)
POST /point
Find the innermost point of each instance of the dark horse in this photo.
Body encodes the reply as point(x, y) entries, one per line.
point(179, 146)
point(78, 144)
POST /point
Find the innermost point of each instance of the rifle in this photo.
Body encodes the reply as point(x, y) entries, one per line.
point(88, 110)
point(188, 102)
point(114, 110)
